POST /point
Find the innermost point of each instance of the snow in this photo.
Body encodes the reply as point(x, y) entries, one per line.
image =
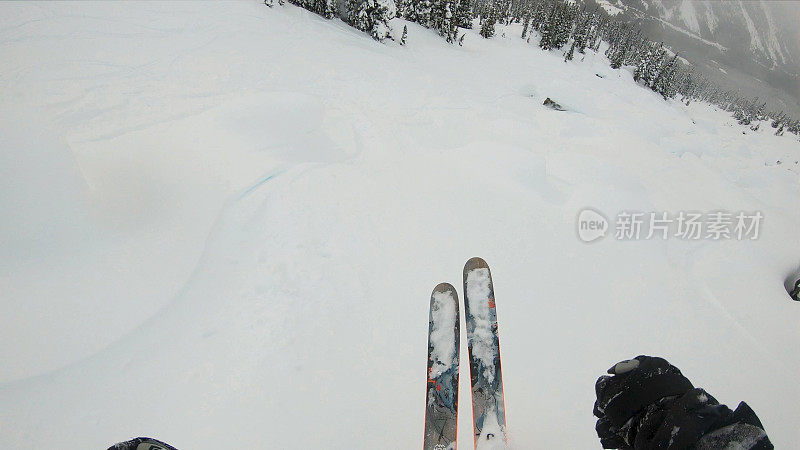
point(772, 41)
point(611, 9)
point(710, 19)
point(755, 41)
point(41, 185)
point(232, 217)
point(492, 434)
point(688, 16)
point(737, 438)
point(673, 433)
point(482, 337)
point(444, 315)
point(698, 18)
point(691, 34)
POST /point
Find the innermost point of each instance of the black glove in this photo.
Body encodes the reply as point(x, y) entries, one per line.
point(142, 443)
point(795, 294)
point(635, 385)
point(648, 404)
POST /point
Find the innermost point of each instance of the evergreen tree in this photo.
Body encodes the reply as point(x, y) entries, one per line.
point(648, 64)
point(438, 8)
point(402, 7)
point(410, 10)
point(449, 26)
point(539, 16)
point(549, 29)
point(357, 16)
point(760, 112)
point(502, 10)
point(566, 20)
point(370, 16)
point(381, 12)
point(487, 26)
point(404, 37)
point(422, 12)
point(618, 51)
point(635, 48)
point(570, 53)
point(557, 27)
point(526, 23)
point(325, 8)
point(794, 127)
point(452, 22)
point(464, 14)
point(580, 36)
point(443, 19)
point(778, 120)
point(597, 33)
point(663, 84)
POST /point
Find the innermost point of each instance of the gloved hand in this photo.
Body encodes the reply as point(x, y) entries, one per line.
point(142, 443)
point(646, 403)
point(634, 389)
point(795, 294)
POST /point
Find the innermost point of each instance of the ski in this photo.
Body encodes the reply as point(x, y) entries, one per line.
point(441, 406)
point(488, 406)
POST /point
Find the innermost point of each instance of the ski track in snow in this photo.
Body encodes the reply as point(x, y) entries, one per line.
point(154, 280)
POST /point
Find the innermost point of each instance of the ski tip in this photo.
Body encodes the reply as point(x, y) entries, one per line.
point(475, 263)
point(445, 287)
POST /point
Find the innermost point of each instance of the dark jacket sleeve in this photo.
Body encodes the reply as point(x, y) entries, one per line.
point(697, 420)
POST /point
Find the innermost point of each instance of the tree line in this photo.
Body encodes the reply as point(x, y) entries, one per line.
point(565, 26)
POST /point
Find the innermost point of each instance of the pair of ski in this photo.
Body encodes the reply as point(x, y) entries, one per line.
point(488, 407)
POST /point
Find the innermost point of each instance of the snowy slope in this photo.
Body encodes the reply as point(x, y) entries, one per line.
point(235, 216)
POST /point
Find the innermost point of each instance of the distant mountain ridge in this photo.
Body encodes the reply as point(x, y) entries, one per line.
point(758, 38)
point(752, 27)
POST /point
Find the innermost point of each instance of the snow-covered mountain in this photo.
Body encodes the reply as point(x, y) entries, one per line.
point(753, 38)
point(754, 28)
